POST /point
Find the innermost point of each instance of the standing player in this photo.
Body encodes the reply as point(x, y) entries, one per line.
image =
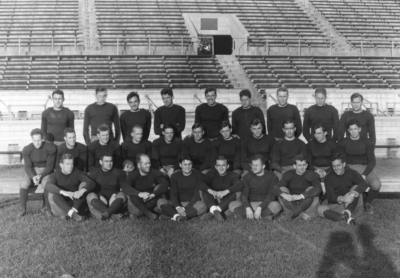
point(321, 113)
point(211, 114)
point(169, 113)
point(365, 118)
point(57, 118)
point(135, 146)
point(135, 116)
point(39, 159)
point(77, 150)
point(360, 156)
point(244, 115)
point(107, 198)
point(278, 113)
point(98, 113)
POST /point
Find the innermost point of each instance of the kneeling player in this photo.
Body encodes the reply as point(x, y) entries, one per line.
point(220, 189)
point(257, 200)
point(344, 188)
point(298, 191)
point(185, 196)
point(67, 189)
point(107, 198)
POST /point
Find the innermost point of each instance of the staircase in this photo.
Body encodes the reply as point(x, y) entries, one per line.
point(88, 23)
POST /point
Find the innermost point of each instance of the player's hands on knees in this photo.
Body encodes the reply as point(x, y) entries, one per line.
point(296, 197)
point(287, 197)
point(257, 213)
point(348, 198)
point(36, 180)
point(68, 194)
point(249, 213)
point(222, 194)
point(181, 211)
point(79, 193)
point(213, 193)
point(144, 195)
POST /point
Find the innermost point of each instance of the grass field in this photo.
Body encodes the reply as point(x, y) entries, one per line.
point(40, 246)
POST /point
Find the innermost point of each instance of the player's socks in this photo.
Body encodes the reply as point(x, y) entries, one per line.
point(191, 212)
point(332, 215)
point(99, 205)
point(352, 206)
point(115, 206)
point(168, 210)
point(46, 203)
point(139, 204)
point(372, 194)
point(23, 195)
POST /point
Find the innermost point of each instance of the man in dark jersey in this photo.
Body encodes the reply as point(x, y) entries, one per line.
point(360, 156)
point(198, 148)
point(68, 189)
point(344, 189)
point(107, 199)
point(57, 118)
point(77, 150)
point(285, 150)
point(211, 114)
point(185, 202)
point(102, 145)
point(257, 200)
point(135, 116)
point(144, 188)
point(135, 146)
point(281, 111)
point(365, 118)
point(100, 112)
point(257, 143)
point(298, 191)
point(220, 189)
point(227, 146)
point(244, 115)
point(169, 113)
point(321, 113)
point(39, 158)
point(166, 151)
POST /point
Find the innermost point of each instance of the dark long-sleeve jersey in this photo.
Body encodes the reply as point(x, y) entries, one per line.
point(297, 184)
point(55, 121)
point(284, 152)
point(59, 181)
point(211, 118)
point(200, 153)
point(165, 153)
point(175, 115)
point(340, 185)
point(79, 152)
point(130, 150)
point(276, 115)
point(230, 149)
point(107, 183)
point(230, 181)
point(45, 156)
point(327, 115)
point(359, 151)
point(241, 119)
point(95, 149)
point(185, 188)
point(366, 120)
point(135, 183)
point(251, 146)
point(320, 154)
point(96, 115)
point(258, 189)
point(129, 119)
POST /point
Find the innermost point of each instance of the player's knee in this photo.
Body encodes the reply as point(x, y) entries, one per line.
point(121, 195)
point(376, 184)
point(275, 207)
point(161, 202)
point(309, 188)
point(91, 196)
point(200, 207)
point(44, 181)
point(285, 189)
point(24, 183)
point(233, 205)
point(321, 210)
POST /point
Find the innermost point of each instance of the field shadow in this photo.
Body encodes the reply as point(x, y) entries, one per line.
point(9, 203)
point(341, 250)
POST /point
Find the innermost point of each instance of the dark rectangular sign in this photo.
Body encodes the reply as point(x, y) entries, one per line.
point(209, 24)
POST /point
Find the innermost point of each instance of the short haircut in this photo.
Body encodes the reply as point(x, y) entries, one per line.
point(225, 124)
point(288, 121)
point(245, 93)
point(320, 90)
point(258, 157)
point(300, 158)
point(107, 154)
point(184, 157)
point(282, 89)
point(168, 126)
point(197, 125)
point(338, 156)
point(353, 122)
point(65, 157)
point(356, 95)
point(103, 127)
point(255, 122)
point(137, 127)
point(69, 130)
point(210, 89)
point(139, 158)
point(37, 131)
point(100, 89)
point(319, 125)
point(131, 95)
point(221, 157)
point(58, 92)
point(167, 91)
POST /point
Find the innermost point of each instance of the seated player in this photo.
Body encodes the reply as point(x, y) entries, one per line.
point(257, 200)
point(77, 150)
point(298, 191)
point(185, 202)
point(286, 149)
point(103, 145)
point(258, 143)
point(107, 199)
point(344, 189)
point(220, 189)
point(360, 156)
point(166, 151)
point(67, 190)
point(144, 188)
point(198, 148)
point(39, 158)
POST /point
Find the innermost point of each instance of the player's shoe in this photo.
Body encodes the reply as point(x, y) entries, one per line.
point(164, 217)
point(78, 218)
point(368, 208)
point(180, 219)
point(273, 216)
point(207, 216)
point(157, 210)
point(219, 216)
point(64, 217)
point(47, 211)
point(117, 216)
point(345, 217)
point(151, 215)
point(306, 217)
point(133, 217)
point(22, 213)
point(287, 217)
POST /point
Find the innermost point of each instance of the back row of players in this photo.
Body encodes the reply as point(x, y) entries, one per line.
point(146, 171)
